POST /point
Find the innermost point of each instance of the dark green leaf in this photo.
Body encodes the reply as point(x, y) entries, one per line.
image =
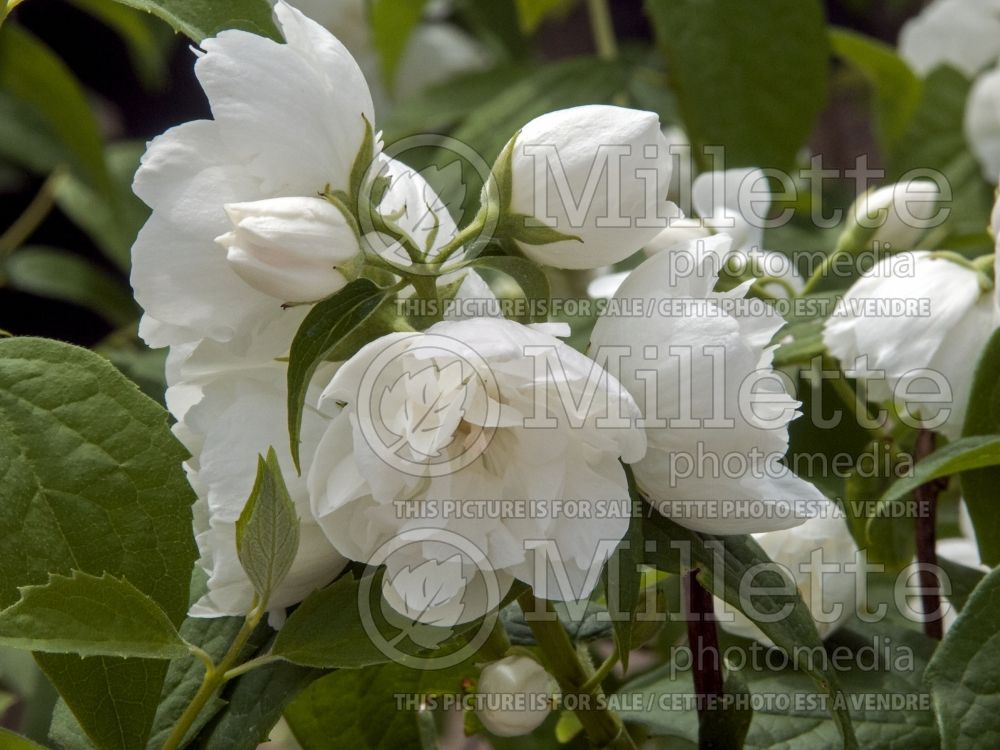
point(91, 478)
point(333, 330)
point(895, 87)
point(198, 19)
point(65, 276)
point(145, 48)
point(531, 13)
point(32, 74)
point(963, 672)
point(748, 76)
point(327, 631)
point(623, 581)
point(267, 531)
point(528, 275)
point(963, 581)
point(979, 487)
point(90, 616)
point(974, 452)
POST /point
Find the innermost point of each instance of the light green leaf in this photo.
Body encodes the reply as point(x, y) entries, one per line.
point(751, 77)
point(91, 477)
point(979, 487)
point(974, 452)
point(531, 13)
point(198, 19)
point(33, 75)
point(267, 531)
point(334, 329)
point(327, 631)
point(90, 616)
point(392, 22)
point(67, 277)
point(895, 87)
point(963, 672)
point(11, 741)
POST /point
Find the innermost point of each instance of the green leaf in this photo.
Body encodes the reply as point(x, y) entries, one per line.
point(531, 13)
point(623, 581)
point(91, 478)
point(528, 275)
point(112, 221)
point(895, 87)
point(803, 722)
point(198, 19)
point(962, 673)
point(327, 631)
point(974, 452)
point(34, 76)
point(267, 531)
point(731, 557)
point(963, 581)
point(145, 48)
point(726, 727)
point(90, 616)
point(358, 709)
point(979, 486)
point(392, 23)
point(333, 330)
point(11, 741)
point(67, 277)
point(751, 77)
point(254, 703)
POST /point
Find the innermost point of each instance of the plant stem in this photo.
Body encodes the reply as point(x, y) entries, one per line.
point(603, 727)
point(703, 639)
point(821, 272)
point(926, 497)
point(592, 684)
point(215, 678)
point(32, 216)
point(602, 29)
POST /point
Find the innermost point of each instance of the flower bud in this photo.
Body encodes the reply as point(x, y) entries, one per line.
point(895, 216)
point(294, 249)
point(515, 696)
point(588, 185)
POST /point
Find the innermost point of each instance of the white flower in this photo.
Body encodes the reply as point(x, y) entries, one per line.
point(598, 173)
point(290, 248)
point(806, 555)
point(716, 414)
point(895, 216)
point(440, 426)
point(982, 123)
point(289, 120)
point(515, 696)
point(435, 51)
point(962, 33)
point(923, 354)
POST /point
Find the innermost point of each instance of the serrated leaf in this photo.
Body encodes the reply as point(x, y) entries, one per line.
point(392, 23)
point(267, 531)
point(91, 479)
point(327, 631)
point(67, 277)
point(90, 616)
point(962, 673)
point(748, 76)
point(198, 19)
point(334, 329)
point(979, 486)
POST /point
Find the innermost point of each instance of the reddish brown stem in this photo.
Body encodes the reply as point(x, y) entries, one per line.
point(704, 641)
